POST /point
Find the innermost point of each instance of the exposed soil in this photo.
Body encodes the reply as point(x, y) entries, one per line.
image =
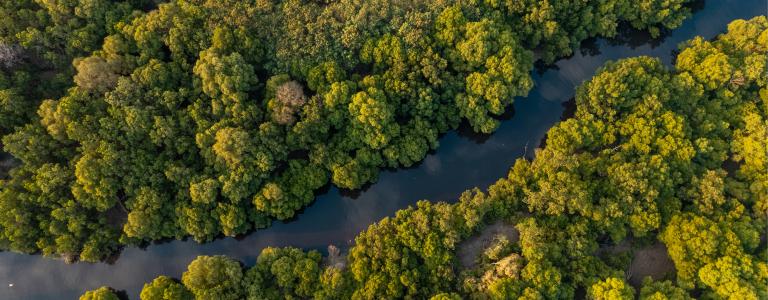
point(470, 249)
point(117, 215)
point(650, 261)
point(647, 261)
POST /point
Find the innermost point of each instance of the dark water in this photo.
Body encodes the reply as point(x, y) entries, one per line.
point(463, 161)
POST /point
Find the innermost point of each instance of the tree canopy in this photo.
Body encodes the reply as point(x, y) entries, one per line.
point(137, 120)
point(673, 157)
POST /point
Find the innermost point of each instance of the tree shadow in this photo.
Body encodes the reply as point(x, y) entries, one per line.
point(466, 131)
point(354, 194)
point(631, 37)
point(568, 112)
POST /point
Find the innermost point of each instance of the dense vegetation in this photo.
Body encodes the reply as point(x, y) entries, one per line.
point(202, 118)
point(39, 41)
point(678, 156)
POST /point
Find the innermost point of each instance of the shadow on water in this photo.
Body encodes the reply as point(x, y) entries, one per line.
point(569, 110)
point(589, 47)
point(633, 38)
point(122, 295)
point(626, 36)
point(465, 129)
point(630, 37)
point(540, 67)
point(354, 194)
point(463, 160)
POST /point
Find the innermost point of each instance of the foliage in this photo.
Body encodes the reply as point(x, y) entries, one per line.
point(165, 288)
point(39, 41)
point(287, 272)
point(663, 290)
point(611, 288)
point(214, 277)
point(102, 293)
point(208, 118)
point(653, 154)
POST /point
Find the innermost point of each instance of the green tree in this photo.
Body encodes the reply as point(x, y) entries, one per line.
point(284, 273)
point(662, 290)
point(164, 288)
point(102, 293)
point(611, 288)
point(214, 277)
point(202, 118)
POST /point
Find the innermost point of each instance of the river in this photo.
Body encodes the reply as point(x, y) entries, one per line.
point(462, 161)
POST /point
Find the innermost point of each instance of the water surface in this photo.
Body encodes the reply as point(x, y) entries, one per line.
point(463, 161)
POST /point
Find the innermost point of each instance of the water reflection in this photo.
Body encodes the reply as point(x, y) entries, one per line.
point(462, 161)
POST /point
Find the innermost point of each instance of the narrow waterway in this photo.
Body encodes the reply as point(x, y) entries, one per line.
point(463, 161)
